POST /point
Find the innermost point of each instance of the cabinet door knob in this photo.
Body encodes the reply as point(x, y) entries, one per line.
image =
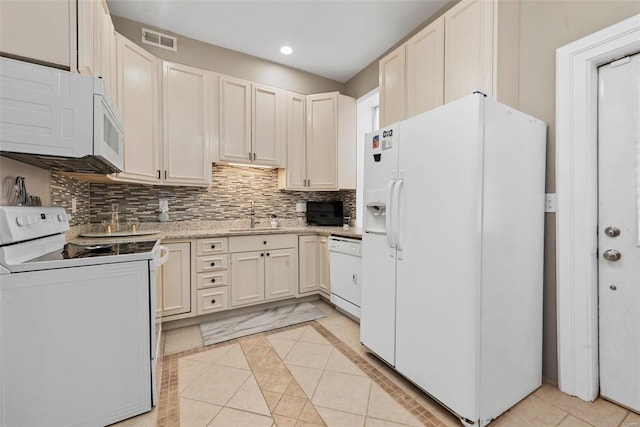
point(213, 301)
point(213, 264)
point(264, 243)
point(268, 254)
point(213, 280)
point(213, 246)
point(262, 254)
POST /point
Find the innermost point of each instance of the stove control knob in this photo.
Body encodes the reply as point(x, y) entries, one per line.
point(21, 221)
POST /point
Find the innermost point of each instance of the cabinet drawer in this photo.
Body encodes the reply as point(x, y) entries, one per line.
point(263, 241)
point(212, 263)
point(213, 279)
point(212, 246)
point(214, 299)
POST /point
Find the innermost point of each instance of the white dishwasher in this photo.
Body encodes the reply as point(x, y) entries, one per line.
point(345, 274)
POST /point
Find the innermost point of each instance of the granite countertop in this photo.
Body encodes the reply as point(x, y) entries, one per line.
point(187, 232)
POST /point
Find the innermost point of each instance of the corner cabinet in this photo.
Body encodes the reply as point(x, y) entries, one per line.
point(251, 123)
point(185, 112)
point(321, 142)
point(313, 253)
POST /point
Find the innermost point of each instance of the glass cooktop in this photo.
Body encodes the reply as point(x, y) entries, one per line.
point(74, 251)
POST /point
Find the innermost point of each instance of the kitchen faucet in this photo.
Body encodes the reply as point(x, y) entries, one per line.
point(253, 215)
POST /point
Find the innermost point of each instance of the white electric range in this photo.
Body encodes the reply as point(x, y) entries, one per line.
point(78, 339)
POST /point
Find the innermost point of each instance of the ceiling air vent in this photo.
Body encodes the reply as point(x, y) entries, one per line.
point(157, 39)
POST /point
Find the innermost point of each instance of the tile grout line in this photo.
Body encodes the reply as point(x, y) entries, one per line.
point(168, 401)
point(409, 403)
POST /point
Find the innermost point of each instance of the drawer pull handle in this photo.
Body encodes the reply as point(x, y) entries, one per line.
point(213, 264)
point(213, 246)
point(213, 280)
point(213, 301)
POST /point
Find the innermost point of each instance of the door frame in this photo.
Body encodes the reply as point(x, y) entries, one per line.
point(577, 201)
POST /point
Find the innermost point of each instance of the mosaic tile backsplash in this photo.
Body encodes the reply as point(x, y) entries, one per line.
point(64, 189)
point(228, 198)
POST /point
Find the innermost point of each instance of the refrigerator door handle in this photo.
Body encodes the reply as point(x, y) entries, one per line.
point(396, 209)
point(389, 216)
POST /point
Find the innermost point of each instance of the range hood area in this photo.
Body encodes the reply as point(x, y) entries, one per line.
point(58, 120)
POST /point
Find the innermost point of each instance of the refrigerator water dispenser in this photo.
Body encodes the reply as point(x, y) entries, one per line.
point(376, 211)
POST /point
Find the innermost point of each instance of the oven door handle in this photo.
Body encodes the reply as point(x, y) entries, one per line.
point(159, 261)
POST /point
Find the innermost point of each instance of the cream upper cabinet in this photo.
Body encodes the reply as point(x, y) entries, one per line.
point(473, 46)
point(267, 120)
point(176, 280)
point(425, 69)
point(39, 30)
point(295, 174)
point(106, 61)
point(251, 121)
point(185, 144)
point(322, 141)
point(235, 120)
point(392, 69)
point(482, 50)
point(96, 42)
point(88, 32)
point(138, 101)
point(325, 157)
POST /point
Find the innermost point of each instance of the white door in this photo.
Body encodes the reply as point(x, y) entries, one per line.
point(247, 278)
point(619, 230)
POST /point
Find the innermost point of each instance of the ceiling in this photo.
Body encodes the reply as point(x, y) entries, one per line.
point(330, 38)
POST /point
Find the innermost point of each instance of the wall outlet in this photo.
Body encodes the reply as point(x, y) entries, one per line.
point(301, 207)
point(550, 202)
point(74, 205)
point(164, 205)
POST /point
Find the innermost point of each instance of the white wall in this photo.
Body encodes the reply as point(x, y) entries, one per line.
point(364, 120)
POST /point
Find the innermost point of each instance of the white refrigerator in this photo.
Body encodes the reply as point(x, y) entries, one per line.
point(452, 253)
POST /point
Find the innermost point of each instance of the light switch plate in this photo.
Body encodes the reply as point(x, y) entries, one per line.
point(550, 202)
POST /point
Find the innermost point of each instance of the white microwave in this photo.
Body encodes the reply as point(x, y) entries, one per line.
point(59, 120)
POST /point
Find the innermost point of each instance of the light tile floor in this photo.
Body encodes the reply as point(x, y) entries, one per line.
point(318, 374)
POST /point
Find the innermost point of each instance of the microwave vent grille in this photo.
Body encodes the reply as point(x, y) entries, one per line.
point(160, 40)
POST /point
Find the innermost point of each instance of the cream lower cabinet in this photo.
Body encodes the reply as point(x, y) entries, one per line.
point(324, 278)
point(308, 250)
point(212, 275)
point(314, 264)
point(263, 267)
point(176, 280)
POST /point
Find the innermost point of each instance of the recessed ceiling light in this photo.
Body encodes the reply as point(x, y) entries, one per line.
point(286, 50)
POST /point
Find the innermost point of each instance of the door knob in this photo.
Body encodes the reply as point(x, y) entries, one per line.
point(611, 255)
point(612, 231)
